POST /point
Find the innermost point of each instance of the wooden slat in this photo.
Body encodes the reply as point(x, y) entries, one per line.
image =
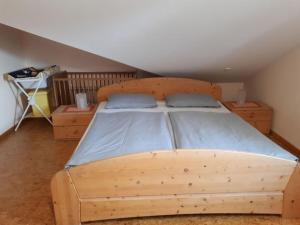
point(161, 87)
point(60, 92)
point(65, 96)
point(67, 86)
point(182, 172)
point(54, 86)
point(258, 203)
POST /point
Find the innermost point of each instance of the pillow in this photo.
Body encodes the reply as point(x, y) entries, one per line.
point(191, 100)
point(127, 101)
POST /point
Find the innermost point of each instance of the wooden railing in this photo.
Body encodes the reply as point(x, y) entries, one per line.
point(65, 85)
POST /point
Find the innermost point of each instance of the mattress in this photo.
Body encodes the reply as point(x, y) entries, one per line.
point(224, 131)
point(122, 133)
point(102, 138)
point(117, 132)
point(162, 107)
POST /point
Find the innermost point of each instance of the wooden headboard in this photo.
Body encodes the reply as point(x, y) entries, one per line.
point(161, 87)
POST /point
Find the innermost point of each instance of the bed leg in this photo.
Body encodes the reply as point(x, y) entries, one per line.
point(291, 196)
point(65, 199)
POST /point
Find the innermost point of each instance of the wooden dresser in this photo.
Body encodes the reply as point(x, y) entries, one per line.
point(257, 114)
point(70, 125)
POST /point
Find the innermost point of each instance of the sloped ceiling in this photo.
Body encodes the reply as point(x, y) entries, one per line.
point(170, 37)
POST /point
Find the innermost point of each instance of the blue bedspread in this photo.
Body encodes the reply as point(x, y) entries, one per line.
point(221, 131)
point(122, 133)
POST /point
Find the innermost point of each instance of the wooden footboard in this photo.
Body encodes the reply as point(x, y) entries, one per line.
point(181, 182)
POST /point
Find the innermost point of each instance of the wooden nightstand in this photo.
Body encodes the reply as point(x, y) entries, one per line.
point(71, 125)
point(257, 114)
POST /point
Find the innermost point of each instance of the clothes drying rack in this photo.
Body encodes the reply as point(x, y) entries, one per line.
point(30, 99)
point(35, 83)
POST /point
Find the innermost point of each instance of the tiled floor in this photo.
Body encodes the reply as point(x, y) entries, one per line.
point(30, 157)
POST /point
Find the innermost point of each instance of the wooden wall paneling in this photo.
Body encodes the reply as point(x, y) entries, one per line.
point(291, 201)
point(65, 200)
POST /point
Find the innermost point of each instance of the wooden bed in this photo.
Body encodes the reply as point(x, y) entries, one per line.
point(198, 181)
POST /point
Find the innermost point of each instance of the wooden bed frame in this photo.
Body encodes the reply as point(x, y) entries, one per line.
point(198, 181)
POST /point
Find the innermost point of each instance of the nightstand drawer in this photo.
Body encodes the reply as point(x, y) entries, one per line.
point(255, 115)
point(71, 120)
point(69, 132)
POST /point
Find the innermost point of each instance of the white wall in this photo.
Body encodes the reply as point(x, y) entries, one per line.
point(175, 37)
point(11, 58)
point(41, 52)
point(230, 90)
point(279, 86)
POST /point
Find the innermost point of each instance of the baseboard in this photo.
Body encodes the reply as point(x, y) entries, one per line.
point(284, 143)
point(6, 133)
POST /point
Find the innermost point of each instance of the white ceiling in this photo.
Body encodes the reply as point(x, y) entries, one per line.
point(169, 37)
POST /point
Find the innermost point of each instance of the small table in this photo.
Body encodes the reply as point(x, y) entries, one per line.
point(69, 123)
point(255, 113)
